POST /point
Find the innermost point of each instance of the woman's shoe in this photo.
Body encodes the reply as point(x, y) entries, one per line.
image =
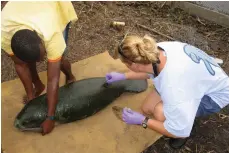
point(177, 143)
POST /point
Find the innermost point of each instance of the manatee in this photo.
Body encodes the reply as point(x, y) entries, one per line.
point(77, 100)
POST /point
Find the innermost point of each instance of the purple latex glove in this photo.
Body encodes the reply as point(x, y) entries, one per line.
point(114, 76)
point(132, 117)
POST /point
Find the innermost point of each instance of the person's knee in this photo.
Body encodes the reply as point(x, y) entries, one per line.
point(145, 109)
point(64, 62)
point(150, 102)
point(159, 113)
point(62, 59)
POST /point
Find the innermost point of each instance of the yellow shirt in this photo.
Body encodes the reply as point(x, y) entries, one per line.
point(48, 19)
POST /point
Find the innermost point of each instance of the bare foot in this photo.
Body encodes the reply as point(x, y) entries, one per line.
point(36, 92)
point(39, 89)
point(26, 99)
point(70, 80)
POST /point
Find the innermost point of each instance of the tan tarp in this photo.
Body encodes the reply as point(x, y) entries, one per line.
point(101, 133)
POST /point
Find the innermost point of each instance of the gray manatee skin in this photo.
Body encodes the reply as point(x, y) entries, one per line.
point(76, 101)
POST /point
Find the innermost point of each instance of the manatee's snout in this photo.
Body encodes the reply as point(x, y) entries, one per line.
point(18, 124)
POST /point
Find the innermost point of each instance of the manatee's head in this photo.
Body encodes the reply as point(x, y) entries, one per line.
point(31, 116)
point(24, 123)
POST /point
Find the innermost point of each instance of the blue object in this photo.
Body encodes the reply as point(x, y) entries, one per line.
point(51, 117)
point(197, 55)
point(207, 106)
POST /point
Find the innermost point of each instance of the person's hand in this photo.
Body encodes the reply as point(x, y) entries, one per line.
point(114, 76)
point(48, 125)
point(131, 117)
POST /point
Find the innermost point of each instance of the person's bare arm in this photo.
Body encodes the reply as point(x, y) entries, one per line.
point(52, 95)
point(134, 75)
point(52, 86)
point(159, 127)
point(24, 74)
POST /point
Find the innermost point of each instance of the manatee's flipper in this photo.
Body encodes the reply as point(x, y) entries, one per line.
point(117, 112)
point(136, 86)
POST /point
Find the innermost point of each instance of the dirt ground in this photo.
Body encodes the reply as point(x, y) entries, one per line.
point(92, 34)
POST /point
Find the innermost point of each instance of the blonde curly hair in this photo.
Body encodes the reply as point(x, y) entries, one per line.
point(138, 50)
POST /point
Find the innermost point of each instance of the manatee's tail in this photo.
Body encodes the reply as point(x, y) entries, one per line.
point(135, 86)
point(117, 112)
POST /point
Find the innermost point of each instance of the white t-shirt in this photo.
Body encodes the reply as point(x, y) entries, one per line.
point(187, 76)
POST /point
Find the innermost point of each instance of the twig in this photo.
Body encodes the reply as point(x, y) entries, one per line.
point(215, 32)
point(105, 11)
point(91, 7)
point(81, 10)
point(208, 121)
point(187, 148)
point(198, 19)
point(163, 4)
point(210, 33)
point(159, 33)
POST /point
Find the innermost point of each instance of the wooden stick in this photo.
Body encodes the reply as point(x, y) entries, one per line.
point(159, 33)
point(163, 4)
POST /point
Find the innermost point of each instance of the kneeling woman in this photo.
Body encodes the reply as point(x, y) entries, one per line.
point(189, 83)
